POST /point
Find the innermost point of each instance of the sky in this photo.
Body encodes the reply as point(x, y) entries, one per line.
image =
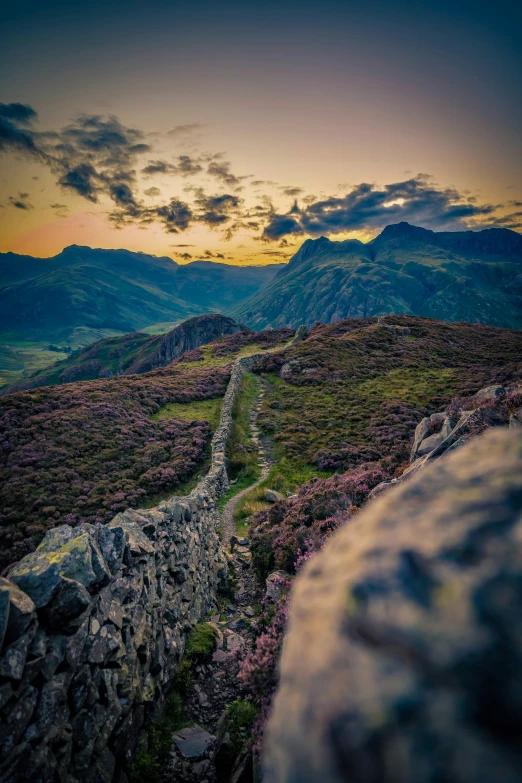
point(233, 131)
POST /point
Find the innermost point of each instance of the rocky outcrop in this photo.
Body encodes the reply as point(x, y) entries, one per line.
point(403, 656)
point(187, 336)
point(93, 625)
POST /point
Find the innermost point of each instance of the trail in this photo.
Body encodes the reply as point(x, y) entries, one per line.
point(265, 463)
point(216, 683)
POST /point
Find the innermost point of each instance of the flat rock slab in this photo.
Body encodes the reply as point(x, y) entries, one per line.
point(193, 742)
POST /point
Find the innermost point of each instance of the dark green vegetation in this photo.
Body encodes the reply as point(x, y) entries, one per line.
point(241, 715)
point(82, 295)
point(201, 643)
point(153, 753)
point(348, 402)
point(131, 353)
point(85, 451)
point(462, 276)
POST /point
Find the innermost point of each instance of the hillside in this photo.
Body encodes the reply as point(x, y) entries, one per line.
point(83, 295)
point(133, 353)
point(85, 451)
point(462, 276)
point(116, 290)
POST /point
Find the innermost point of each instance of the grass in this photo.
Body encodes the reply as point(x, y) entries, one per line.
point(221, 360)
point(285, 476)
point(197, 410)
point(241, 715)
point(201, 643)
point(242, 456)
point(16, 361)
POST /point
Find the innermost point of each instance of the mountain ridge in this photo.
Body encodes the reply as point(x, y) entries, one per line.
point(454, 276)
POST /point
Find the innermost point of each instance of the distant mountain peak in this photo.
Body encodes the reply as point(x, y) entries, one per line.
point(404, 230)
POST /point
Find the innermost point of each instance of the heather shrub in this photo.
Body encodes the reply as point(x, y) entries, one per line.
point(281, 532)
point(83, 452)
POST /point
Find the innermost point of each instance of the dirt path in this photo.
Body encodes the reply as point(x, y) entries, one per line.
point(265, 463)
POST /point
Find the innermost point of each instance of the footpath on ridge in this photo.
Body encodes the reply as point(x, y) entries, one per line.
point(216, 683)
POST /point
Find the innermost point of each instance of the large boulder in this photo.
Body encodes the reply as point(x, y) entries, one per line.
point(403, 657)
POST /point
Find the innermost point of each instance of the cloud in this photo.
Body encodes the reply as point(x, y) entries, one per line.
point(158, 167)
point(152, 192)
point(291, 191)
point(416, 200)
point(20, 201)
point(184, 256)
point(221, 171)
point(183, 130)
point(15, 129)
point(186, 166)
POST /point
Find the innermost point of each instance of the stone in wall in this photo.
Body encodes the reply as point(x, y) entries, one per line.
point(403, 658)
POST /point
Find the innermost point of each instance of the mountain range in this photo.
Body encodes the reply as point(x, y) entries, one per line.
point(452, 276)
point(83, 294)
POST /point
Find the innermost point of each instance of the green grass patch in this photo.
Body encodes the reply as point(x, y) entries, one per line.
point(241, 715)
point(242, 455)
point(201, 642)
point(409, 384)
point(198, 410)
point(285, 476)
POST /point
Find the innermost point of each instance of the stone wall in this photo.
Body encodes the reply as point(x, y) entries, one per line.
point(403, 658)
point(93, 626)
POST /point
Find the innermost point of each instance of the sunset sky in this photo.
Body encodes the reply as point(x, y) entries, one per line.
point(234, 130)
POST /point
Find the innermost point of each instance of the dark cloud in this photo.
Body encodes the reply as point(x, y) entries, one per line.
point(180, 245)
point(184, 256)
point(188, 166)
point(20, 201)
point(220, 169)
point(158, 167)
point(216, 210)
point(91, 156)
point(15, 129)
point(291, 191)
point(185, 167)
point(152, 192)
point(416, 200)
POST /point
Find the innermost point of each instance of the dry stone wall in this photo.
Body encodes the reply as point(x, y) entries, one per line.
point(93, 626)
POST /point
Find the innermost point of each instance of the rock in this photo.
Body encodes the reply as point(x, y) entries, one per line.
point(489, 393)
point(234, 642)
point(301, 334)
point(40, 573)
point(19, 611)
point(515, 420)
point(430, 443)
point(403, 653)
point(249, 611)
point(244, 542)
point(220, 656)
point(202, 697)
point(69, 602)
point(275, 583)
point(271, 496)
point(193, 742)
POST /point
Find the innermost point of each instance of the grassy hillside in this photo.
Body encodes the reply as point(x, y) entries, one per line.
point(85, 451)
point(82, 295)
point(349, 400)
point(463, 276)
